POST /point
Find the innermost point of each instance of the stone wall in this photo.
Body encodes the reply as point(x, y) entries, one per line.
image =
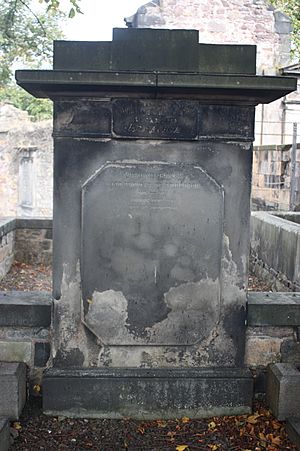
point(26, 160)
point(33, 241)
point(225, 22)
point(275, 250)
point(7, 246)
point(271, 177)
point(25, 330)
point(25, 240)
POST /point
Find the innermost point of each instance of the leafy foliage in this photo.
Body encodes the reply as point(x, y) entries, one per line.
point(25, 36)
point(38, 109)
point(26, 40)
point(292, 9)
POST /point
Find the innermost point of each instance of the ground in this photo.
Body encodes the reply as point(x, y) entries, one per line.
point(259, 431)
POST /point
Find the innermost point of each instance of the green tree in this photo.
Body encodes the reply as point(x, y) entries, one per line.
point(26, 40)
point(292, 9)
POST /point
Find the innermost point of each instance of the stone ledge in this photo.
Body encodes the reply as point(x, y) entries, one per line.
point(12, 389)
point(10, 224)
point(7, 225)
point(273, 309)
point(33, 223)
point(4, 435)
point(293, 430)
point(283, 390)
point(147, 393)
point(25, 309)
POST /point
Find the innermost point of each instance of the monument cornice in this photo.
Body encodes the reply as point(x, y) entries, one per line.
point(249, 89)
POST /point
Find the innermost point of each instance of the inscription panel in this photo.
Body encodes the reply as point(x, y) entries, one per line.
point(151, 253)
point(155, 119)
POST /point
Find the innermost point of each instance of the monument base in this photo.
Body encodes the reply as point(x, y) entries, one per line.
point(147, 393)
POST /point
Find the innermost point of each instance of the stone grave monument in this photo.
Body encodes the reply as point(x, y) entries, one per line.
point(153, 146)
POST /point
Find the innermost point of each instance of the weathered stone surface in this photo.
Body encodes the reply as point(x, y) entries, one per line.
point(32, 246)
point(12, 389)
point(147, 394)
point(275, 243)
point(225, 22)
point(4, 435)
point(25, 192)
point(273, 309)
point(82, 118)
point(283, 390)
point(15, 351)
point(290, 352)
point(25, 309)
point(293, 430)
point(155, 277)
point(41, 353)
point(262, 350)
point(155, 119)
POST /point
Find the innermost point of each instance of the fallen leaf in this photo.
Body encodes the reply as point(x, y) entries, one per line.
point(181, 447)
point(141, 430)
point(17, 425)
point(212, 425)
point(185, 419)
point(253, 419)
point(161, 423)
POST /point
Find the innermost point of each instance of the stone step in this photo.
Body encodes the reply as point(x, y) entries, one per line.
point(25, 308)
point(283, 390)
point(4, 434)
point(12, 389)
point(147, 393)
point(293, 430)
point(273, 309)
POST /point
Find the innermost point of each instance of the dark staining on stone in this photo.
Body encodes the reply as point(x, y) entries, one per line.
point(234, 320)
point(70, 358)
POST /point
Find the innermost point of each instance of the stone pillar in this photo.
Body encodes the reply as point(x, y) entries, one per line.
point(153, 147)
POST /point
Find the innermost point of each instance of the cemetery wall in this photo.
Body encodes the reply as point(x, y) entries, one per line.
point(25, 240)
point(275, 249)
point(7, 246)
point(26, 160)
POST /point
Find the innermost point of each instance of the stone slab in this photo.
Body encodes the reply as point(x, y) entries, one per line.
point(147, 393)
point(33, 223)
point(12, 389)
point(283, 390)
point(237, 89)
point(273, 309)
point(25, 309)
point(155, 277)
point(4, 435)
point(15, 351)
point(293, 430)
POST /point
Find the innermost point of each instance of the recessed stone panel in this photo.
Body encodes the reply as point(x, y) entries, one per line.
point(155, 119)
point(151, 253)
point(89, 118)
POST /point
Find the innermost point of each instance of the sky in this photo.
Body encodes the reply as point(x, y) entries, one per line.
point(99, 17)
